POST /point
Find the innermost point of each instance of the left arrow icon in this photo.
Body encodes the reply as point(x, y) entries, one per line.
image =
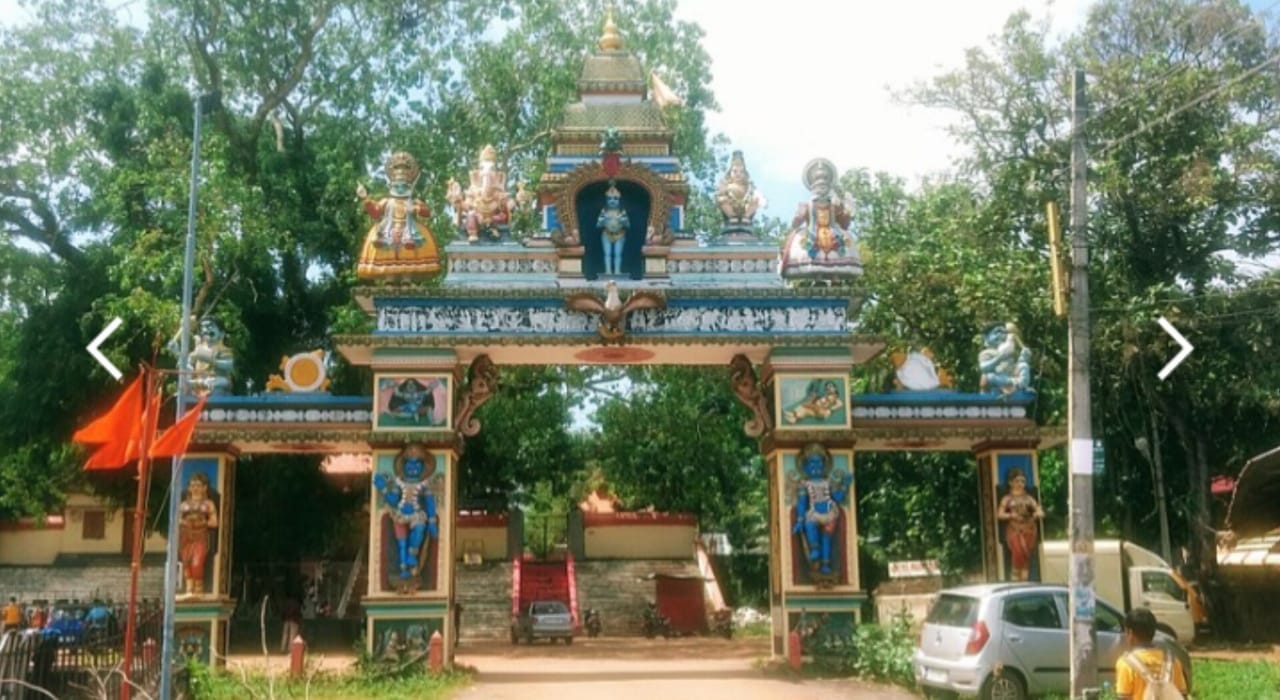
point(92, 347)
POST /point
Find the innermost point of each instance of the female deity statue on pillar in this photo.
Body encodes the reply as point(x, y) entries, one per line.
point(820, 245)
point(1021, 514)
point(613, 223)
point(197, 525)
point(400, 245)
point(485, 207)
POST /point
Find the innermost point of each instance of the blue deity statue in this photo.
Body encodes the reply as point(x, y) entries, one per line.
point(212, 362)
point(613, 225)
point(1005, 361)
point(818, 496)
point(410, 502)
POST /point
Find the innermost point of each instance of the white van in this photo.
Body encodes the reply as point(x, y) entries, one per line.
point(1129, 575)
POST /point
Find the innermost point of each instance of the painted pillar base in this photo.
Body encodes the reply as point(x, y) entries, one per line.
point(398, 629)
point(200, 630)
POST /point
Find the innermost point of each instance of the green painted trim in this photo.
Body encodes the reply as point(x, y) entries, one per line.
point(420, 608)
point(202, 612)
point(424, 353)
point(843, 353)
point(842, 601)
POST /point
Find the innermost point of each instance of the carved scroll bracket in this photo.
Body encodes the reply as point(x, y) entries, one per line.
point(482, 384)
point(746, 386)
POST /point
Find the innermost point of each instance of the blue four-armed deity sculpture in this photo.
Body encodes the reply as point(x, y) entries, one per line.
point(818, 498)
point(410, 501)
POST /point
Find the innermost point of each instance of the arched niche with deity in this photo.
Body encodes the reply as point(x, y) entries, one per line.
point(643, 197)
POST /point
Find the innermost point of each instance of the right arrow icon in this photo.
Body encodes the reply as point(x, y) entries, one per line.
point(1182, 354)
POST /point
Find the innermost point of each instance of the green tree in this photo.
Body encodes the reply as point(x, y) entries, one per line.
point(94, 155)
point(1182, 170)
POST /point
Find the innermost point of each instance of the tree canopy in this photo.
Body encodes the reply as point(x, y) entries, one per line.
point(308, 98)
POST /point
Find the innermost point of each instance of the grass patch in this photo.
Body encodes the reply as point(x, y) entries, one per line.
point(754, 630)
point(1217, 679)
point(216, 685)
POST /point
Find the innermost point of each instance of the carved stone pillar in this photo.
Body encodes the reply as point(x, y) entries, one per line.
point(815, 584)
point(205, 518)
point(1012, 546)
point(425, 404)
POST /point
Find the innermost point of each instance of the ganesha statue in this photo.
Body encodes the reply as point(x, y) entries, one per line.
point(484, 208)
point(821, 246)
point(737, 198)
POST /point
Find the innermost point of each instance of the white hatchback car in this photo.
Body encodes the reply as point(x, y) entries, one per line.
point(1019, 629)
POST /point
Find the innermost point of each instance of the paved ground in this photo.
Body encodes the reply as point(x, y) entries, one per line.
point(638, 669)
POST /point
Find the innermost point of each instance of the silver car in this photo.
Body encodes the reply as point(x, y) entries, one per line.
point(548, 619)
point(1009, 641)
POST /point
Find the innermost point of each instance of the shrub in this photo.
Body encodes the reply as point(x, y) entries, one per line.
point(877, 652)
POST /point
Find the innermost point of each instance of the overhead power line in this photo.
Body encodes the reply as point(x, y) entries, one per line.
point(1141, 92)
point(1147, 126)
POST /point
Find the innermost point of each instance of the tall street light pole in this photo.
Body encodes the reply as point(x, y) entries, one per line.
point(202, 103)
point(1084, 667)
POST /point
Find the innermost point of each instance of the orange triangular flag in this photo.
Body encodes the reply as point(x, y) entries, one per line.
point(175, 440)
point(121, 451)
point(115, 422)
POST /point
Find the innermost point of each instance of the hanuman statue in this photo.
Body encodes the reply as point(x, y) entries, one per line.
point(485, 207)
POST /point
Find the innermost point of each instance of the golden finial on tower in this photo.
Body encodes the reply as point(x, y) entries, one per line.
point(611, 40)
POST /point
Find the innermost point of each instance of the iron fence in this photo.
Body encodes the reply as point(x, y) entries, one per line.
point(79, 656)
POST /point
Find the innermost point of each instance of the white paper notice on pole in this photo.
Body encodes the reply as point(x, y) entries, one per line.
point(1081, 456)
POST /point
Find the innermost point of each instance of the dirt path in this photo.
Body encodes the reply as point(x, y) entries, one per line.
point(637, 669)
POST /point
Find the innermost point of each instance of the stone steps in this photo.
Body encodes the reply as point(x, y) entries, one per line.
point(621, 589)
point(484, 592)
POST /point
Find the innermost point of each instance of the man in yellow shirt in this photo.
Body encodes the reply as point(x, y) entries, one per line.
point(1131, 682)
point(12, 619)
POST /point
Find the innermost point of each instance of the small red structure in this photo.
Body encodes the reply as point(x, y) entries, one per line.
point(793, 650)
point(297, 656)
point(435, 652)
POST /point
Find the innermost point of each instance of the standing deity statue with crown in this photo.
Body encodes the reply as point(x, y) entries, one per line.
point(613, 224)
point(400, 245)
point(737, 197)
point(821, 246)
point(485, 207)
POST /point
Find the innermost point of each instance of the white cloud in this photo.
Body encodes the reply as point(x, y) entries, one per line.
point(807, 78)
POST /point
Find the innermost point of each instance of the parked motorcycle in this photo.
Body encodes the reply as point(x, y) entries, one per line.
point(655, 623)
point(592, 622)
point(722, 623)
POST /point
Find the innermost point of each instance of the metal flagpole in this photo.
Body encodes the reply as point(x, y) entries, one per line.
point(184, 389)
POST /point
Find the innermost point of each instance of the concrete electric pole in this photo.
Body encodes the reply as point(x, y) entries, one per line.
point(1084, 666)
